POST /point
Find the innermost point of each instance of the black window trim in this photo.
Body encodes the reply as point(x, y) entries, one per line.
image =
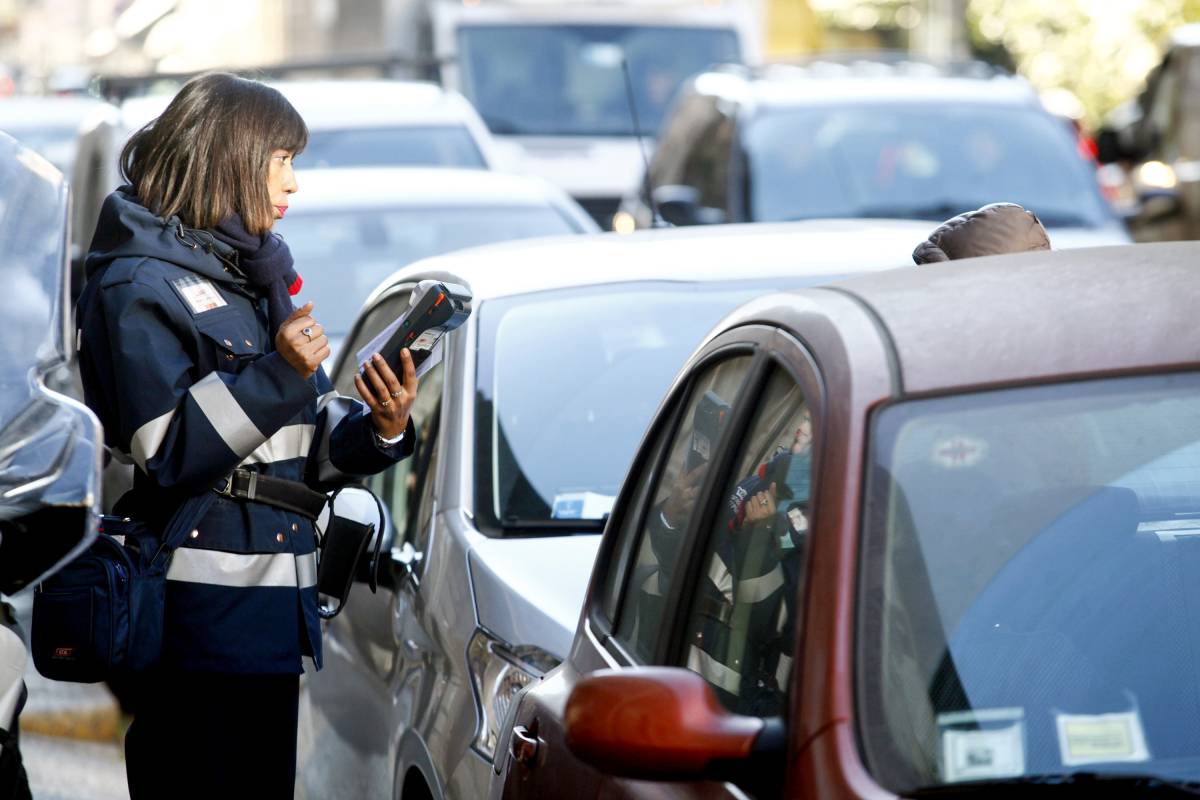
point(786, 353)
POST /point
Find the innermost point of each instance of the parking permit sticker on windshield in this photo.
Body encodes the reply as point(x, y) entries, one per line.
point(959, 452)
point(982, 744)
point(1098, 738)
point(581, 505)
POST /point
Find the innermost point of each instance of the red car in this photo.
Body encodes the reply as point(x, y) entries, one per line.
point(929, 532)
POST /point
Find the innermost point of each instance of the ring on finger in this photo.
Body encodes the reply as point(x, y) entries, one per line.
point(307, 332)
point(762, 501)
point(385, 403)
point(397, 394)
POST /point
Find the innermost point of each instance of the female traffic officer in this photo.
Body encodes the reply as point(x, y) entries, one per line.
point(209, 381)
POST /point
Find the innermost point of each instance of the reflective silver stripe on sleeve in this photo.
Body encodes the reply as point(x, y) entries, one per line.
point(755, 590)
point(783, 672)
point(217, 568)
point(719, 574)
point(148, 438)
point(336, 407)
point(225, 415)
point(712, 670)
point(290, 441)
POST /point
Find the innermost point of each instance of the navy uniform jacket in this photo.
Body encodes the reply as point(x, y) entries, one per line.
point(177, 362)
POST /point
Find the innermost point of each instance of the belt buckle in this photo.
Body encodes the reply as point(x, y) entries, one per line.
point(227, 489)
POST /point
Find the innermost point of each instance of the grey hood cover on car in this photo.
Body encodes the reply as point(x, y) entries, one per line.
point(992, 230)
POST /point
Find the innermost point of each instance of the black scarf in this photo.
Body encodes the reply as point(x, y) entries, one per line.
point(267, 264)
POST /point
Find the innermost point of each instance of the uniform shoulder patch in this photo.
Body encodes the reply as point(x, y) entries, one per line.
point(198, 293)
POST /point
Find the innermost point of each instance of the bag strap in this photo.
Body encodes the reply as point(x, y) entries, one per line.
point(181, 524)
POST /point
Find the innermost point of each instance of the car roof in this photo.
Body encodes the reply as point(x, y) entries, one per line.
point(1038, 316)
point(849, 80)
point(332, 104)
point(358, 187)
point(20, 113)
point(833, 248)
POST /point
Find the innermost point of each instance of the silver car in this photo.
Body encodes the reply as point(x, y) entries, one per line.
point(525, 433)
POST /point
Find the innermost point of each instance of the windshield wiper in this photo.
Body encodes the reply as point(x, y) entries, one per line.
point(1085, 784)
point(557, 525)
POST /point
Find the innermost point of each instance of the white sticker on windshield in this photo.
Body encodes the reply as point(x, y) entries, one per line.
point(581, 505)
point(958, 452)
point(982, 744)
point(1100, 738)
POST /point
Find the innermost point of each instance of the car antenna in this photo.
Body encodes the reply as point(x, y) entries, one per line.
point(656, 220)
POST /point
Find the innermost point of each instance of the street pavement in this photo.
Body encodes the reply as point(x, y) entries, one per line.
point(72, 769)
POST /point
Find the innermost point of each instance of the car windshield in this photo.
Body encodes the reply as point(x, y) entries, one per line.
point(601, 359)
point(420, 146)
point(1030, 602)
point(567, 80)
point(917, 162)
point(343, 255)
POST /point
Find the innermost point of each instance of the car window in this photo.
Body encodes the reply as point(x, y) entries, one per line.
point(409, 146)
point(1029, 563)
point(379, 317)
point(674, 501)
point(346, 253)
point(569, 80)
point(402, 485)
point(917, 161)
point(742, 616)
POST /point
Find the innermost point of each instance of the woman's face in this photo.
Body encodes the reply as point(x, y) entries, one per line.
point(281, 181)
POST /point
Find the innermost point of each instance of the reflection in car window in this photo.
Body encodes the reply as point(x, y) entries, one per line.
point(742, 616)
point(1030, 581)
point(345, 254)
point(674, 501)
point(567, 79)
point(410, 146)
point(918, 162)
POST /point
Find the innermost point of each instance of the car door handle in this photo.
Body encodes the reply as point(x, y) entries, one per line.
point(524, 746)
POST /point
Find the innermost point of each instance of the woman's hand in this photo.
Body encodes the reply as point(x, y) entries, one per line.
point(302, 341)
point(761, 506)
point(389, 400)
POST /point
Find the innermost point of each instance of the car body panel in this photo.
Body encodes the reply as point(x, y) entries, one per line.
point(521, 605)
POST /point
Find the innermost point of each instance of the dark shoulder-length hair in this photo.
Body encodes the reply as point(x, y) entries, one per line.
point(209, 153)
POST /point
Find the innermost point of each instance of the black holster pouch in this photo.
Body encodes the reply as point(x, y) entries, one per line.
point(343, 546)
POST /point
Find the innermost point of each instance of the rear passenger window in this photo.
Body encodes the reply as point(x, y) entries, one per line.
point(743, 612)
point(674, 500)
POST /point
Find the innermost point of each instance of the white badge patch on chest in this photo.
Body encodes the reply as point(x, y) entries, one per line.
point(200, 294)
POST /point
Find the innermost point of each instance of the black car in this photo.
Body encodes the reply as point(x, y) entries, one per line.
point(897, 139)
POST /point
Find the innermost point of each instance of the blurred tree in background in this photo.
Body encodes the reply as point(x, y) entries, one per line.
point(1100, 50)
point(1097, 50)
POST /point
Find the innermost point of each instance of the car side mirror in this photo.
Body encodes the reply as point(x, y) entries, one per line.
point(680, 206)
point(660, 723)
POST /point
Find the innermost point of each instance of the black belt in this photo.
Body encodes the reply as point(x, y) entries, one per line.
point(245, 484)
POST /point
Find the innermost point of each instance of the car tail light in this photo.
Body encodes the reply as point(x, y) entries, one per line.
point(499, 671)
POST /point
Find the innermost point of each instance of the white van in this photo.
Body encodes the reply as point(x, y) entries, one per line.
point(547, 76)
